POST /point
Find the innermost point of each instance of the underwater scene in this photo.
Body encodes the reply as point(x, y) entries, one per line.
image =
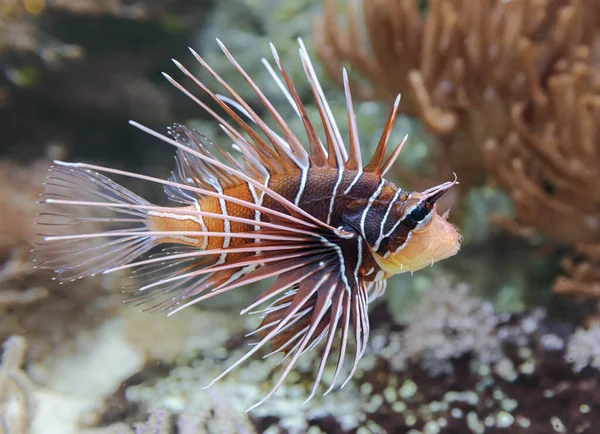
point(299, 216)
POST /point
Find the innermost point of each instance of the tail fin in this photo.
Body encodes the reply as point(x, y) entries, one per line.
point(79, 208)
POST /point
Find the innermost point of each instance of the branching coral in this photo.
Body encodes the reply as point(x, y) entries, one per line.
point(549, 161)
point(462, 67)
point(510, 89)
point(582, 278)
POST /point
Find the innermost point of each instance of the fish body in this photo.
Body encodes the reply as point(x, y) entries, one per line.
point(341, 198)
point(305, 211)
point(313, 194)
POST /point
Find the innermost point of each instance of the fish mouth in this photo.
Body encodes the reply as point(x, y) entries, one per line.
point(438, 241)
point(433, 194)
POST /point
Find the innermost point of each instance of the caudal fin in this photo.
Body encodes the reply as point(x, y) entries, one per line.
point(89, 223)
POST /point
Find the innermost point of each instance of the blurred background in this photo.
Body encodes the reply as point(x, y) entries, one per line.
point(503, 337)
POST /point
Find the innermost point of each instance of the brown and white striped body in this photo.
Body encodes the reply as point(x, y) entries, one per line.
point(303, 210)
point(336, 196)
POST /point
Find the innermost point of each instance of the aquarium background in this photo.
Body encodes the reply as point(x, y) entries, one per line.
point(503, 337)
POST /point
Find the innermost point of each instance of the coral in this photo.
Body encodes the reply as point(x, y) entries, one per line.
point(461, 67)
point(548, 163)
point(159, 422)
point(582, 276)
point(583, 348)
point(511, 91)
point(447, 324)
point(454, 67)
point(16, 391)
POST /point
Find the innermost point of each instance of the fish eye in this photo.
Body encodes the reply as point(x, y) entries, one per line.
point(418, 214)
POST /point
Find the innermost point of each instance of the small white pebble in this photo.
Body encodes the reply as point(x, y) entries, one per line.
point(366, 388)
point(408, 389)
point(456, 413)
point(523, 421)
point(390, 394)
point(399, 406)
point(552, 342)
point(431, 427)
point(529, 325)
point(504, 419)
point(474, 423)
point(557, 424)
point(505, 369)
point(410, 420)
point(528, 367)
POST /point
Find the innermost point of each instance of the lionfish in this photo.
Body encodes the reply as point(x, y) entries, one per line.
point(328, 229)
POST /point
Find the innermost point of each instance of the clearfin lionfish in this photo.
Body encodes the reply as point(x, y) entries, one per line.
point(329, 229)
